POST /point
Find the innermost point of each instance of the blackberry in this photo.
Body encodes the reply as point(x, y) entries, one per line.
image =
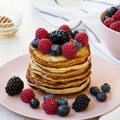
point(59, 37)
point(81, 103)
point(14, 86)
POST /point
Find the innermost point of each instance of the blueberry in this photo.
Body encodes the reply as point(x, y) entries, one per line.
point(63, 110)
point(94, 90)
point(55, 50)
point(35, 43)
point(101, 96)
point(34, 103)
point(111, 11)
point(105, 87)
point(48, 95)
point(73, 34)
point(62, 101)
point(77, 44)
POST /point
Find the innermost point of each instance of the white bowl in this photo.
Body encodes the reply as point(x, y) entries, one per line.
point(110, 37)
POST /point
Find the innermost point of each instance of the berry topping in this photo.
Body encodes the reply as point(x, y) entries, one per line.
point(69, 50)
point(78, 44)
point(111, 11)
point(48, 95)
point(81, 103)
point(34, 103)
point(105, 87)
point(117, 15)
point(14, 86)
point(115, 26)
point(26, 95)
point(65, 27)
point(44, 46)
point(107, 22)
point(59, 37)
point(73, 34)
point(55, 50)
point(63, 110)
point(62, 101)
point(101, 96)
point(82, 37)
point(41, 33)
point(35, 43)
point(50, 105)
point(94, 90)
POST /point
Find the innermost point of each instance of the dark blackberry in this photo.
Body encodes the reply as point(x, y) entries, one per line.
point(14, 86)
point(59, 37)
point(81, 103)
point(73, 34)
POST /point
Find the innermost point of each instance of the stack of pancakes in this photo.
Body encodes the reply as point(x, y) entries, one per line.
point(57, 75)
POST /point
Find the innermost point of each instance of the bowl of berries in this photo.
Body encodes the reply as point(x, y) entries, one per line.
point(110, 29)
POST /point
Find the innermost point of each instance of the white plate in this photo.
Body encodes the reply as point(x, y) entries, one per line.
point(102, 71)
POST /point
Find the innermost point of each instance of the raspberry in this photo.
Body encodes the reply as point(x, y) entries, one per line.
point(69, 50)
point(65, 27)
point(41, 33)
point(26, 95)
point(82, 37)
point(107, 22)
point(115, 26)
point(44, 46)
point(117, 15)
point(50, 105)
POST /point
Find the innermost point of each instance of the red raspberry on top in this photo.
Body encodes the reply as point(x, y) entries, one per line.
point(41, 33)
point(50, 105)
point(44, 46)
point(65, 27)
point(69, 50)
point(117, 15)
point(115, 26)
point(107, 22)
point(26, 95)
point(82, 37)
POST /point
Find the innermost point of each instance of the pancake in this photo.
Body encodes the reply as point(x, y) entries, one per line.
point(57, 74)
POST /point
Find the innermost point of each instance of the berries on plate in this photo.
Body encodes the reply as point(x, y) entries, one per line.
point(26, 95)
point(34, 103)
point(94, 90)
point(48, 95)
point(41, 33)
point(55, 50)
point(50, 105)
point(105, 87)
point(44, 46)
point(14, 86)
point(35, 43)
point(69, 50)
point(59, 37)
point(62, 101)
point(63, 110)
point(81, 102)
point(65, 27)
point(101, 96)
point(82, 37)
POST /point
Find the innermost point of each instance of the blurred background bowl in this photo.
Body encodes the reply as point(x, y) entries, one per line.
point(110, 38)
point(10, 21)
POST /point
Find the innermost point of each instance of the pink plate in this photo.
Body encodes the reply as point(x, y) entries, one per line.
point(102, 71)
